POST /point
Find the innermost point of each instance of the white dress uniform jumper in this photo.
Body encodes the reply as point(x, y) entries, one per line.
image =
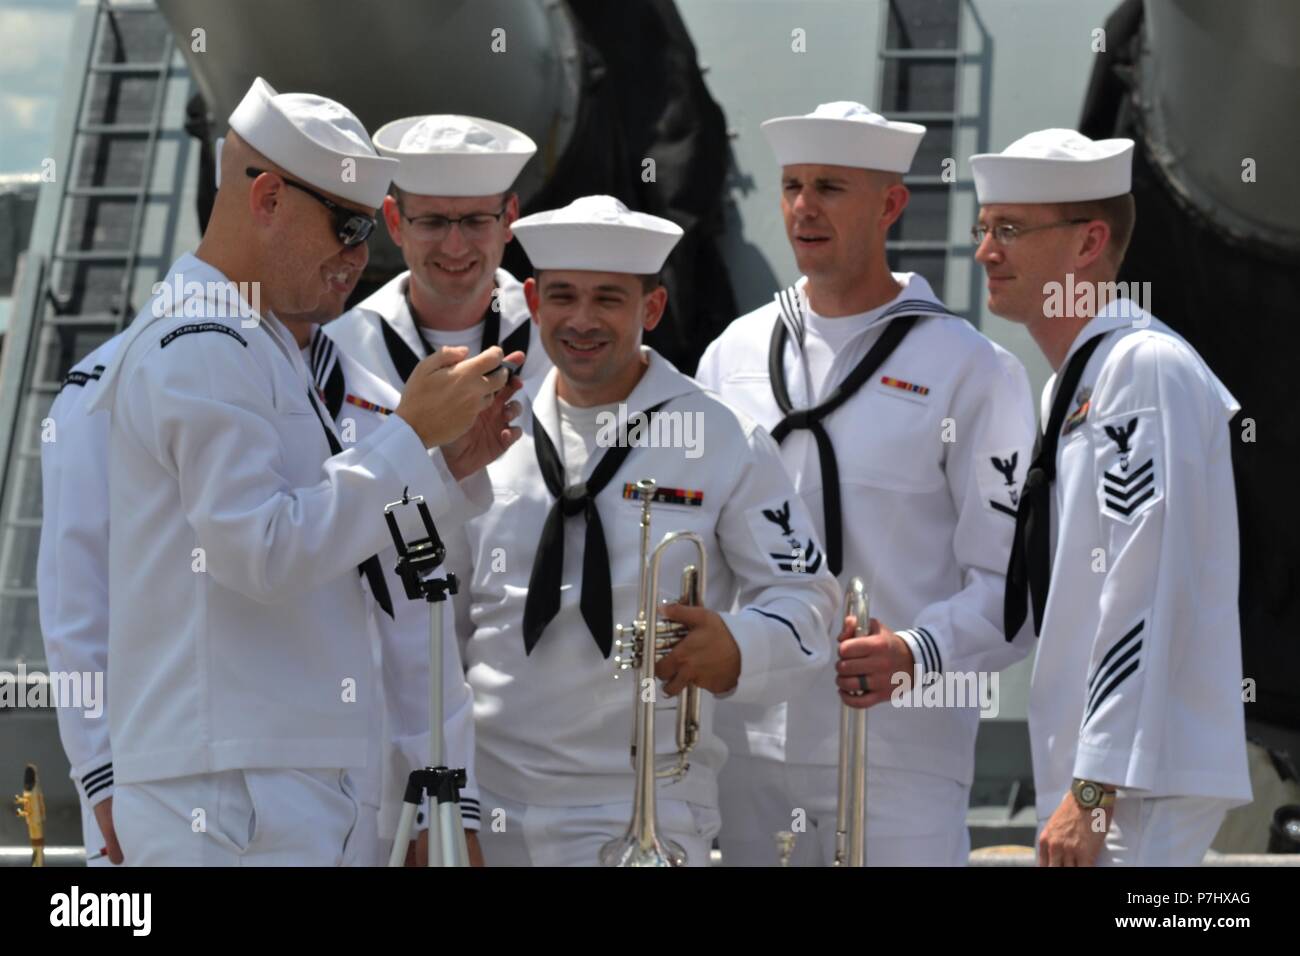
point(1138, 679)
point(544, 579)
point(72, 579)
point(238, 620)
point(906, 433)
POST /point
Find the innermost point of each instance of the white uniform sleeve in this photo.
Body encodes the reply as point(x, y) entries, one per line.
point(786, 597)
point(1152, 491)
point(707, 372)
point(201, 408)
point(993, 415)
point(72, 570)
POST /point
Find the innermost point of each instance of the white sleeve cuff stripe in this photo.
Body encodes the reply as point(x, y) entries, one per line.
point(97, 780)
point(918, 650)
point(934, 648)
point(925, 650)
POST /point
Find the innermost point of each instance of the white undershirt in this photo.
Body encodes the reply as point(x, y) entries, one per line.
point(826, 339)
point(579, 428)
point(439, 339)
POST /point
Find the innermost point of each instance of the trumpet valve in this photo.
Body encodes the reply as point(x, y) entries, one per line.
point(627, 647)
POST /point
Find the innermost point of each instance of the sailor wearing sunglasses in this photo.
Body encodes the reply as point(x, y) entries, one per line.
point(241, 532)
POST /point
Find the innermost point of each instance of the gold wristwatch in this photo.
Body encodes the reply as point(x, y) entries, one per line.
point(1090, 795)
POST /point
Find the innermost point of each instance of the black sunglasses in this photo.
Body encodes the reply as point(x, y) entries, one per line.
point(351, 227)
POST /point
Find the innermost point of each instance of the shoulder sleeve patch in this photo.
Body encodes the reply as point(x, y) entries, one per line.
point(1130, 466)
point(79, 378)
point(1001, 474)
point(788, 547)
point(194, 328)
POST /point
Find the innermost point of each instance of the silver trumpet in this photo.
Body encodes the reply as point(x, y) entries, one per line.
point(641, 845)
point(851, 813)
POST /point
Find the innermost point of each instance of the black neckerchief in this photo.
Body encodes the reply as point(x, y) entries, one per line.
point(369, 568)
point(543, 600)
point(1029, 570)
point(405, 360)
point(901, 317)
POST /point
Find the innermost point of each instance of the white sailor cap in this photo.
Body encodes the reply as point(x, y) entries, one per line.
point(1054, 165)
point(450, 155)
point(316, 139)
point(844, 134)
point(597, 234)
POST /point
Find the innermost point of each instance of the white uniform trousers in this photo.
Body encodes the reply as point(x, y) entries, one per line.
point(92, 837)
point(275, 817)
point(515, 834)
point(1160, 831)
point(913, 819)
point(369, 850)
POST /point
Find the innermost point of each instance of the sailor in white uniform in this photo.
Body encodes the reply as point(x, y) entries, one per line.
point(72, 587)
point(450, 212)
point(906, 432)
point(1135, 714)
point(555, 562)
point(238, 622)
point(72, 566)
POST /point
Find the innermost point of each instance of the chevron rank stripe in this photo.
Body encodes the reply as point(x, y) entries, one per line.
point(1119, 663)
point(1124, 494)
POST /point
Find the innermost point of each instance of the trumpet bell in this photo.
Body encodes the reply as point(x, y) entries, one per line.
point(627, 850)
point(641, 644)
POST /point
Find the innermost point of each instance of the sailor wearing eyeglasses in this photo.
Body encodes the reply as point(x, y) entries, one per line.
point(449, 211)
point(1125, 562)
point(241, 531)
point(906, 432)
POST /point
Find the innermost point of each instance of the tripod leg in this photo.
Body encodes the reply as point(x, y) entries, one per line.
point(461, 845)
point(435, 833)
point(403, 838)
point(437, 839)
point(449, 823)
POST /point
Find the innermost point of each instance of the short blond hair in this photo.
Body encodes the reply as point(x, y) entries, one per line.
point(1117, 212)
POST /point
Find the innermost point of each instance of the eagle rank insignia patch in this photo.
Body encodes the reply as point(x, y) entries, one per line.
point(1001, 476)
point(1130, 470)
point(788, 548)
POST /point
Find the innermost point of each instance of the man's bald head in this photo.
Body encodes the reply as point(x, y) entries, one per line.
point(236, 156)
